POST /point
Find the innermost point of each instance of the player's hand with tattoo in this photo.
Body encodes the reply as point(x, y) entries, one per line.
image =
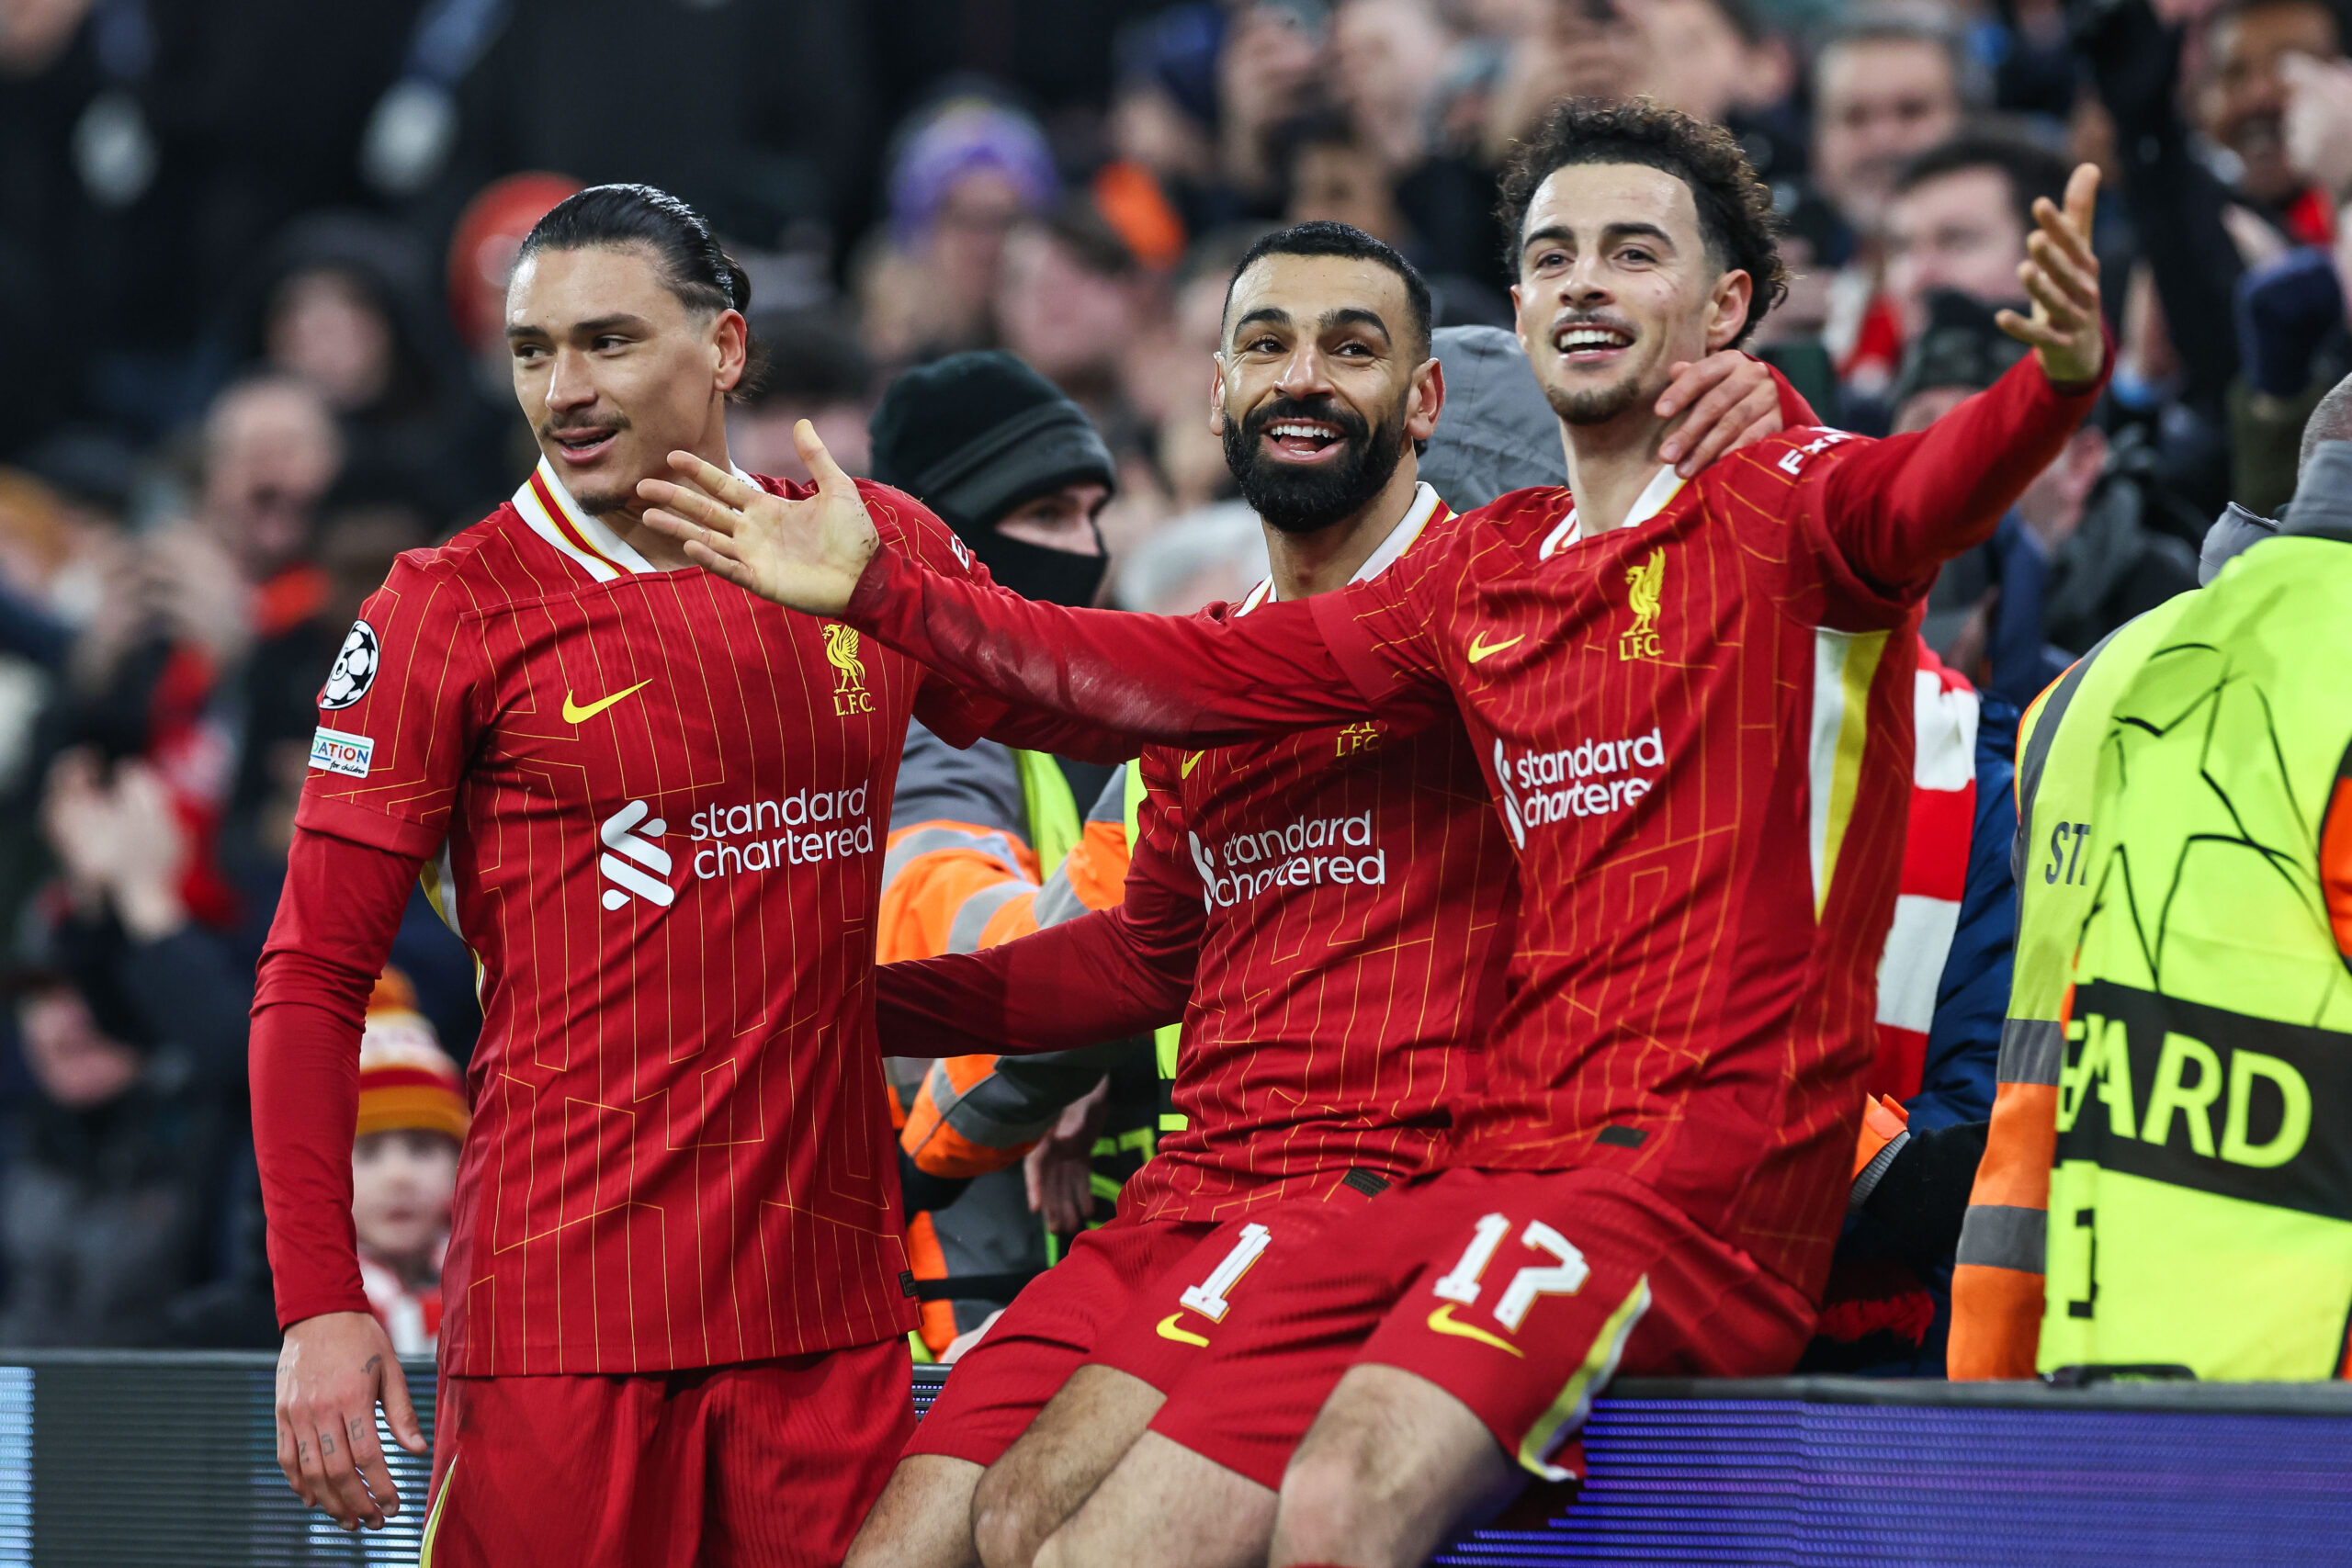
point(805, 554)
point(333, 1369)
point(1733, 400)
point(2061, 277)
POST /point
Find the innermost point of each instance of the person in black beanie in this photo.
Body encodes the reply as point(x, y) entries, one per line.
point(1016, 468)
point(977, 837)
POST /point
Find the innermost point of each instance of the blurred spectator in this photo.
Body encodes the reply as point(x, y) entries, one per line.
point(1394, 67)
point(961, 177)
point(1958, 218)
point(1070, 299)
point(2242, 103)
point(1575, 49)
point(1890, 82)
point(1270, 69)
point(347, 304)
point(2290, 319)
point(2180, 355)
point(1438, 212)
point(2078, 556)
point(413, 1118)
point(271, 450)
point(201, 605)
point(1388, 59)
point(132, 1023)
point(817, 370)
point(482, 260)
point(1162, 118)
point(1336, 175)
point(1715, 60)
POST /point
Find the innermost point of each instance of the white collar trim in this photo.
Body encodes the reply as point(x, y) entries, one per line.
point(1663, 487)
point(1400, 539)
point(579, 536)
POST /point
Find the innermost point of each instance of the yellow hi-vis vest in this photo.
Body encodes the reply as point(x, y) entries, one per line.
point(1996, 1281)
point(2200, 1210)
point(1052, 810)
point(1165, 1038)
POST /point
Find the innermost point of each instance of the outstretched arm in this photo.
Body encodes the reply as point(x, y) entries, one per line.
point(1901, 508)
point(1185, 680)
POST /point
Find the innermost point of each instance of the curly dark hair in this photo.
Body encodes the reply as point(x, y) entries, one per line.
point(1735, 207)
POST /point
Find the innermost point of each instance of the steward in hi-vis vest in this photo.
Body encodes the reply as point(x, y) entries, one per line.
point(1996, 1281)
point(2201, 1200)
point(1018, 471)
point(1997, 1287)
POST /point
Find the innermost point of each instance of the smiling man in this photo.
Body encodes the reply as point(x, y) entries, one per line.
point(654, 806)
point(1693, 703)
point(1326, 912)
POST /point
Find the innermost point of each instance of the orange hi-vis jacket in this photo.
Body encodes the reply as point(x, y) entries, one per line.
point(960, 874)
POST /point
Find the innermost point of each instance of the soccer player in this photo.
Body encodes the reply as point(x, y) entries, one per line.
point(1332, 905)
point(653, 806)
point(1691, 702)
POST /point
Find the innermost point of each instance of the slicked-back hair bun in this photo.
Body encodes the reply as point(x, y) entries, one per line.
point(687, 255)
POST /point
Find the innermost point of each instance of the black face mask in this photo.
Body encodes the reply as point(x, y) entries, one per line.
point(1054, 577)
point(1301, 500)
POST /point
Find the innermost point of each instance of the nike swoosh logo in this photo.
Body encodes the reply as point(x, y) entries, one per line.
point(1185, 768)
point(1480, 646)
point(1443, 1321)
point(574, 714)
point(1167, 1330)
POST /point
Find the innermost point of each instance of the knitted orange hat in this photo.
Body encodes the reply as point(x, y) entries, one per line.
point(406, 1080)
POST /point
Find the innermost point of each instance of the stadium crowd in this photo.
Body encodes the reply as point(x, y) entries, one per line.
point(253, 262)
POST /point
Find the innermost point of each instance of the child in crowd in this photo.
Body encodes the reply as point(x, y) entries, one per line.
point(412, 1116)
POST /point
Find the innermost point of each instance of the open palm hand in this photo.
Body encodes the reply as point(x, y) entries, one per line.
point(805, 554)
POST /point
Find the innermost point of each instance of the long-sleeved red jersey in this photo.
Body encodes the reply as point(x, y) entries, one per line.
point(653, 806)
point(1698, 730)
point(1343, 896)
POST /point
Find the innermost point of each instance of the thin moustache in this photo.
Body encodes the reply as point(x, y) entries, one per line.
point(1590, 319)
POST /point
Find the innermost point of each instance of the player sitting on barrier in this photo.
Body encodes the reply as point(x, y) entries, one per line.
point(1691, 702)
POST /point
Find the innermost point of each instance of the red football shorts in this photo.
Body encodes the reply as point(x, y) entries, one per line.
point(1518, 1292)
point(1172, 1322)
point(772, 1463)
point(997, 1387)
point(1139, 1296)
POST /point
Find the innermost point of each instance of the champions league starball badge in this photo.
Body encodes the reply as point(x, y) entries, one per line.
point(354, 668)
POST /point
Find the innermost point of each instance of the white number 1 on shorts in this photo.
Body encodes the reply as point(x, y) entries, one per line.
point(1207, 1298)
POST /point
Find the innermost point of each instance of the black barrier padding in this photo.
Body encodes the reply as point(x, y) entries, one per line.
point(125, 1460)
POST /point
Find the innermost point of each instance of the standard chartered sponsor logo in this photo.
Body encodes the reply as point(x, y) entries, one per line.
point(805, 828)
point(1592, 778)
point(1313, 852)
point(630, 832)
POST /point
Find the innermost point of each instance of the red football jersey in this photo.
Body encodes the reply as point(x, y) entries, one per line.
point(653, 806)
point(1351, 889)
point(1698, 729)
